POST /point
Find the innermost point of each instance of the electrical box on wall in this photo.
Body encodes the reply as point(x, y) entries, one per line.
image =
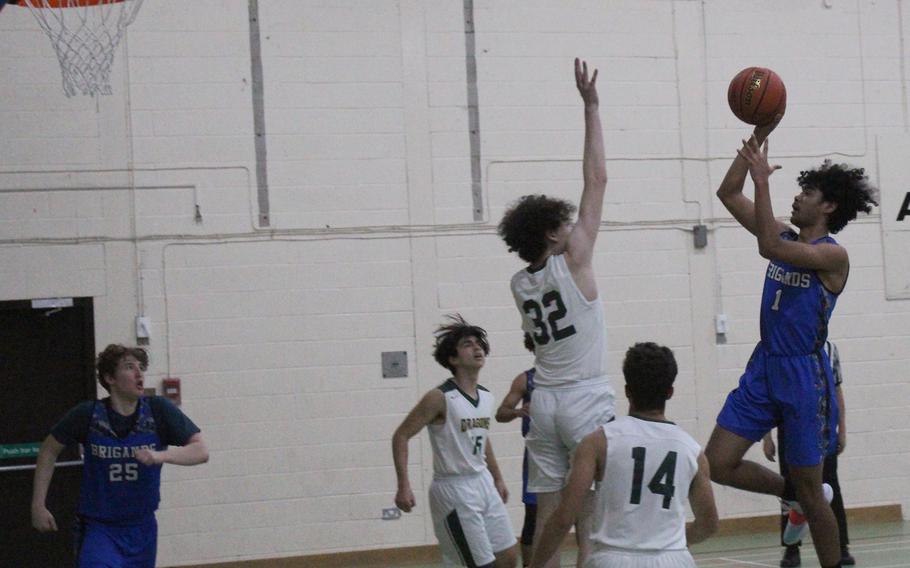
point(394, 364)
point(170, 388)
point(700, 234)
point(143, 327)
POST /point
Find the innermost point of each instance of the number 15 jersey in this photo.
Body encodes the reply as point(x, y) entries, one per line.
point(640, 504)
point(459, 443)
point(570, 337)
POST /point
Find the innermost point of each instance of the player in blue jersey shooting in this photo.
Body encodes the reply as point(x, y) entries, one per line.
point(125, 439)
point(788, 381)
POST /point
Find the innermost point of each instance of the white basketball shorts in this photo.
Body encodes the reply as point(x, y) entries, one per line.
point(618, 558)
point(560, 418)
point(470, 519)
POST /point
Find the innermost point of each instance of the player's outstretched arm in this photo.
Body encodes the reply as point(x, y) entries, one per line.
point(508, 410)
point(194, 452)
point(766, 226)
point(701, 499)
point(587, 462)
point(594, 169)
point(730, 191)
point(431, 408)
point(42, 519)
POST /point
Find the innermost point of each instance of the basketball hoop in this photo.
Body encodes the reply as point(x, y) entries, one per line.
point(84, 34)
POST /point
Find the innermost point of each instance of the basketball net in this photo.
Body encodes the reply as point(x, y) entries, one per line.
point(84, 34)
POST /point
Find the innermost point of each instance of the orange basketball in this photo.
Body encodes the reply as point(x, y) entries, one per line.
point(756, 95)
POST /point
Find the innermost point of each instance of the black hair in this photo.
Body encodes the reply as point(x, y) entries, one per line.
point(525, 224)
point(448, 336)
point(846, 187)
point(650, 370)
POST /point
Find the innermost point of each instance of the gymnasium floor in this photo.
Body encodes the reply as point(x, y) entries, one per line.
point(880, 545)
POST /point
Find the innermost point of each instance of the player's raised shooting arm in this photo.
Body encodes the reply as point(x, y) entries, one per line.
point(431, 408)
point(730, 191)
point(594, 170)
point(701, 499)
point(825, 257)
point(508, 410)
point(731, 194)
point(766, 226)
point(584, 467)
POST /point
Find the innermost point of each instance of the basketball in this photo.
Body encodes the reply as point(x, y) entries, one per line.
point(756, 95)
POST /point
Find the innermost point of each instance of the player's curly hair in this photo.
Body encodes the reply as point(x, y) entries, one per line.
point(650, 370)
point(448, 335)
point(844, 186)
point(107, 361)
point(525, 224)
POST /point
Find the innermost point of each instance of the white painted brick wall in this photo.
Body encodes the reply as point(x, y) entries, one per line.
point(277, 334)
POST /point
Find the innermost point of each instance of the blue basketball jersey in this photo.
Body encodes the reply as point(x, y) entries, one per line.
point(116, 488)
point(795, 307)
point(526, 398)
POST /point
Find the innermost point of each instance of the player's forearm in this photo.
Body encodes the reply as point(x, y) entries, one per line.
point(44, 471)
point(42, 482)
point(492, 464)
point(191, 454)
point(705, 523)
point(590, 206)
point(734, 180)
point(553, 534)
point(699, 530)
point(594, 165)
point(842, 411)
point(765, 223)
point(505, 414)
point(400, 458)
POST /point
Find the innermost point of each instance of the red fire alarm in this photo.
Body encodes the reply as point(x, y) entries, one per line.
point(170, 388)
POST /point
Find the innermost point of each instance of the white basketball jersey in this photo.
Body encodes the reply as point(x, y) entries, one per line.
point(459, 443)
point(569, 333)
point(641, 502)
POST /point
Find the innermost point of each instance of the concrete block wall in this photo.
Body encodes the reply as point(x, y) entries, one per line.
point(146, 200)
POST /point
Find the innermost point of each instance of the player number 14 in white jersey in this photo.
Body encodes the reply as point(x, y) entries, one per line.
point(662, 481)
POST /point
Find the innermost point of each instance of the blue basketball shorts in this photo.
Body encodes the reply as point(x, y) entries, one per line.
point(100, 545)
point(795, 393)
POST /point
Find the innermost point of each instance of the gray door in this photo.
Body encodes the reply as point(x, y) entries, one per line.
point(46, 368)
